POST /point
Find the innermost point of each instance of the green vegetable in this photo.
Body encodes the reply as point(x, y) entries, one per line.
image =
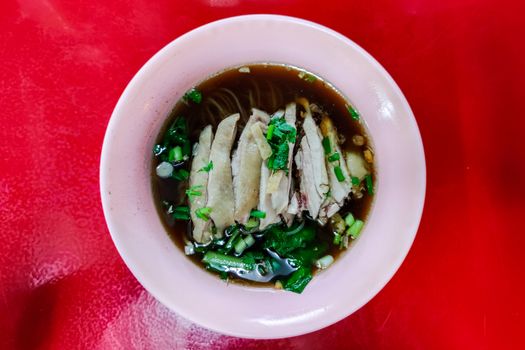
point(252, 223)
point(279, 134)
point(222, 262)
point(180, 174)
point(355, 229)
point(306, 256)
point(207, 168)
point(193, 95)
point(269, 134)
point(258, 214)
point(177, 134)
point(177, 153)
point(171, 155)
point(355, 181)
point(194, 191)
point(353, 113)
point(203, 213)
point(339, 173)
point(283, 243)
point(280, 157)
point(243, 243)
point(239, 246)
point(326, 145)
point(324, 262)
point(369, 184)
point(349, 219)
point(177, 142)
point(298, 280)
point(181, 212)
point(334, 157)
point(337, 238)
point(229, 244)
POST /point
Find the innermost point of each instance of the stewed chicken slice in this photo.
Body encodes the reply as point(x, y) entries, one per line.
point(220, 202)
point(199, 183)
point(310, 161)
point(265, 200)
point(246, 169)
point(307, 185)
point(340, 181)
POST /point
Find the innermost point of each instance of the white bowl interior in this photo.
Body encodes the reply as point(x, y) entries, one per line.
point(201, 297)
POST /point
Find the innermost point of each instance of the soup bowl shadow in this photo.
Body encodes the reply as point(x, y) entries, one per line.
point(244, 311)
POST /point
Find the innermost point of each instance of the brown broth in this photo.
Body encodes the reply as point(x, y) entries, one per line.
point(287, 86)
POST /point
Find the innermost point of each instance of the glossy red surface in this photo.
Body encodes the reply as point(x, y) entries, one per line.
point(64, 64)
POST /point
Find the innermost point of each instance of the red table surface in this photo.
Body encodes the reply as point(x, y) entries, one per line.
point(63, 66)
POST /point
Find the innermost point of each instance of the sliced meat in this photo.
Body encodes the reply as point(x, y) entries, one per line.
point(293, 209)
point(316, 151)
point(246, 168)
point(281, 196)
point(310, 161)
point(199, 182)
point(339, 190)
point(308, 186)
point(220, 183)
point(265, 202)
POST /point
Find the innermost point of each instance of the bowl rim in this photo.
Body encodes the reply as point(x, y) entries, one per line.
point(143, 72)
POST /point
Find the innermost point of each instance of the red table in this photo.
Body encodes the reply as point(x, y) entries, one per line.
point(63, 66)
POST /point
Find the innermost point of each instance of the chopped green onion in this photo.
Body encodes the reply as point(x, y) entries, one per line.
point(353, 113)
point(240, 246)
point(339, 174)
point(278, 133)
point(258, 214)
point(181, 212)
point(183, 208)
point(207, 168)
point(193, 95)
point(180, 174)
point(355, 181)
point(243, 243)
point(194, 191)
point(203, 213)
point(326, 145)
point(324, 262)
point(334, 157)
point(269, 134)
point(369, 184)
point(249, 240)
point(178, 153)
point(229, 244)
point(251, 223)
point(355, 229)
point(337, 238)
point(349, 219)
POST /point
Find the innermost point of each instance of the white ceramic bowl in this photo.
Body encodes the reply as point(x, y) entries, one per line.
point(201, 297)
